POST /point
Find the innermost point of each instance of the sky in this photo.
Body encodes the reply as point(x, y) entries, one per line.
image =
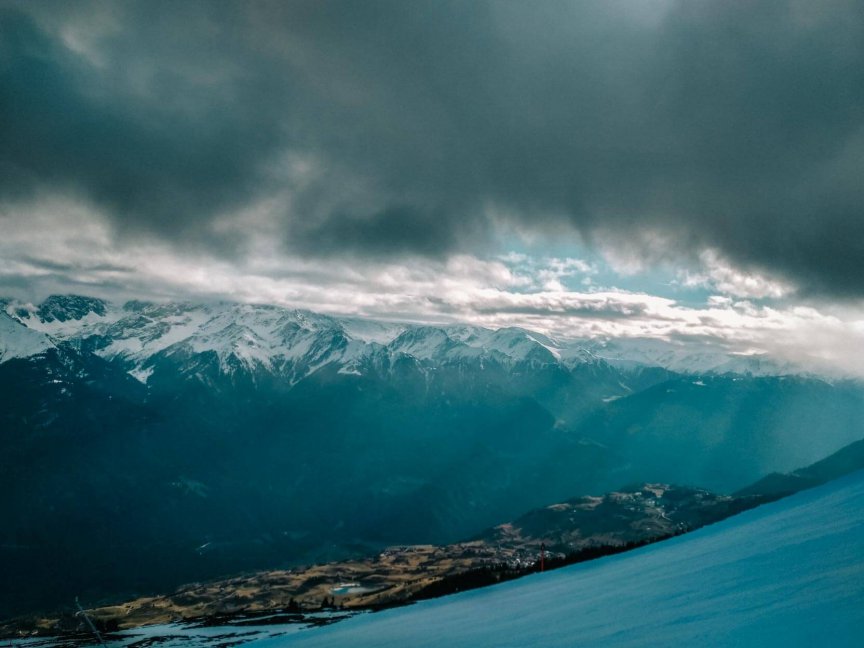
point(688, 170)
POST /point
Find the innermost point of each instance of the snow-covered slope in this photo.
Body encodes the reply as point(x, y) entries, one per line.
point(789, 573)
point(17, 341)
point(650, 352)
point(684, 358)
point(296, 342)
point(255, 337)
point(261, 337)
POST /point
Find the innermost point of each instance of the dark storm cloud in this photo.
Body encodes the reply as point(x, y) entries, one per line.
point(391, 231)
point(161, 158)
point(68, 268)
point(724, 124)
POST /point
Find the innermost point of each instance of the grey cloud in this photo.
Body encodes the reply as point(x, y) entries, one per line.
point(731, 125)
point(63, 267)
point(395, 230)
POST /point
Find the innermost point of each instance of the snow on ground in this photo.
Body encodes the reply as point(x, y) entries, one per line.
point(686, 358)
point(790, 573)
point(372, 330)
point(264, 336)
point(141, 375)
point(17, 341)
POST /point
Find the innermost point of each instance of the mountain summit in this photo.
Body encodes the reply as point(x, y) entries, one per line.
point(296, 342)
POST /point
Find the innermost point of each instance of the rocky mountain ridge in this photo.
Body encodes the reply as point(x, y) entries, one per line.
point(296, 342)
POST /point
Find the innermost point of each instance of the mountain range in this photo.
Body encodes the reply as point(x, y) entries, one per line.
point(295, 343)
point(161, 443)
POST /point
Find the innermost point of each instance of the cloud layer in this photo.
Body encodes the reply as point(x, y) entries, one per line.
point(715, 309)
point(392, 130)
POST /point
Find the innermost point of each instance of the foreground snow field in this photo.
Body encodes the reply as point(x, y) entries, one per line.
point(790, 573)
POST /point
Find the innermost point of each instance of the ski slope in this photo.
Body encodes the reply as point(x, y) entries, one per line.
point(790, 573)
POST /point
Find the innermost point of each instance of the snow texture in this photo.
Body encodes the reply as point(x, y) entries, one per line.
point(628, 353)
point(789, 573)
point(263, 337)
point(17, 341)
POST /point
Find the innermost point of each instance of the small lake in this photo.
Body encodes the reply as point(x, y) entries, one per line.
point(352, 588)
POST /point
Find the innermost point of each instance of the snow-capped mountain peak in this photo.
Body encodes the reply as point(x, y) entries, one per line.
point(63, 308)
point(296, 342)
point(18, 341)
point(422, 342)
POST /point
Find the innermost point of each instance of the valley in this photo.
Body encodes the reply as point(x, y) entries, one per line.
point(164, 444)
point(571, 531)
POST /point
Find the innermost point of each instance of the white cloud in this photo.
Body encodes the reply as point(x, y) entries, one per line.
point(41, 253)
point(719, 274)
